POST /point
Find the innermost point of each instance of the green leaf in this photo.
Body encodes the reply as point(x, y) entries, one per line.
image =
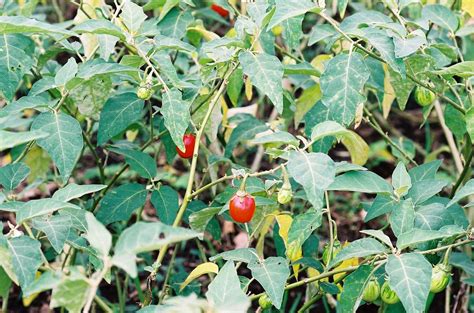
point(118, 113)
point(406, 46)
point(47, 281)
point(24, 103)
point(5, 284)
point(441, 16)
point(234, 87)
point(246, 255)
point(90, 95)
point(26, 258)
point(425, 171)
point(200, 219)
point(360, 181)
point(99, 27)
point(354, 286)
point(464, 191)
point(272, 274)
point(35, 208)
point(71, 293)
point(12, 139)
point(98, 67)
point(277, 137)
point(132, 16)
point(56, 228)
point(432, 216)
point(314, 171)
point(175, 23)
point(144, 237)
point(302, 226)
point(341, 84)
point(20, 24)
point(292, 32)
point(225, 292)
point(379, 235)
point(327, 128)
point(119, 203)
point(246, 129)
point(462, 69)
point(416, 236)
point(176, 113)
point(286, 9)
point(321, 32)
point(11, 175)
point(168, 5)
point(402, 219)
point(358, 249)
point(163, 43)
point(74, 191)
point(401, 181)
point(382, 204)
point(66, 73)
point(266, 73)
point(98, 236)
point(410, 277)
point(425, 189)
point(140, 162)
point(64, 143)
point(166, 202)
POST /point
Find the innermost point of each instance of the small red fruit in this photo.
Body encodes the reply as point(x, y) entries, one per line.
point(189, 140)
point(242, 207)
point(220, 10)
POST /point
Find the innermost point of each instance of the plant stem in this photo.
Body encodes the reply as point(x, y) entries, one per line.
point(464, 173)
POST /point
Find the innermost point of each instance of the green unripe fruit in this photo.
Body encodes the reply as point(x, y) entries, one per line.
point(388, 295)
point(335, 250)
point(144, 92)
point(424, 96)
point(440, 278)
point(371, 291)
point(264, 302)
point(285, 195)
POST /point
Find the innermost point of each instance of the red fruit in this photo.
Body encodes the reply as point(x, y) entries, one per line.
point(220, 10)
point(189, 140)
point(242, 207)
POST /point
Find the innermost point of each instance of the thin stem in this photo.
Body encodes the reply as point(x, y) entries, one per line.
point(464, 173)
point(102, 305)
point(330, 225)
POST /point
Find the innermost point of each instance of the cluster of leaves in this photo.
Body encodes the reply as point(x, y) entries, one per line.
point(122, 82)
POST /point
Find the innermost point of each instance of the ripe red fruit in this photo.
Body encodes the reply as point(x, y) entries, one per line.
point(242, 207)
point(189, 140)
point(220, 10)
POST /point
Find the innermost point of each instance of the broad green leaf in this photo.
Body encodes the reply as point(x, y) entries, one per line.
point(464, 191)
point(360, 181)
point(468, 124)
point(12, 139)
point(441, 16)
point(118, 113)
point(462, 69)
point(132, 16)
point(406, 46)
point(120, 203)
point(176, 114)
point(402, 219)
point(354, 286)
point(20, 24)
point(175, 23)
point(99, 27)
point(201, 269)
point(166, 203)
point(272, 274)
point(64, 143)
point(97, 235)
point(292, 32)
point(234, 86)
point(246, 255)
point(246, 130)
point(425, 189)
point(24, 103)
point(286, 9)
point(302, 226)
point(168, 5)
point(425, 171)
point(327, 128)
point(98, 67)
point(416, 236)
point(5, 284)
point(305, 102)
point(341, 84)
point(66, 73)
point(379, 235)
point(200, 219)
point(314, 171)
point(74, 191)
point(56, 228)
point(26, 258)
point(78, 218)
point(11, 175)
point(6, 262)
point(164, 43)
point(71, 293)
point(410, 277)
point(140, 162)
point(278, 137)
point(144, 237)
point(35, 208)
point(224, 291)
point(90, 95)
point(320, 32)
point(358, 249)
point(432, 216)
point(266, 73)
point(401, 181)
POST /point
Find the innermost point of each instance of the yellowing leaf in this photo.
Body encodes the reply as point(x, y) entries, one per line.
point(266, 224)
point(319, 60)
point(206, 34)
point(357, 147)
point(248, 89)
point(27, 300)
point(345, 263)
point(293, 252)
point(306, 101)
point(389, 92)
point(201, 269)
point(468, 6)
